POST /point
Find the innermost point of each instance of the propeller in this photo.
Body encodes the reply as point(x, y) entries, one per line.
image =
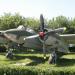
point(43, 32)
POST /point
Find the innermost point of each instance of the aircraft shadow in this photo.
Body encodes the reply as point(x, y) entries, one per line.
point(65, 62)
point(35, 60)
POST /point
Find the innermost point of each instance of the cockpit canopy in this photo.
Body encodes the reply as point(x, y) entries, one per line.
point(21, 27)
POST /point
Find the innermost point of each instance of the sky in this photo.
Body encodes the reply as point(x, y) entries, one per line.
point(33, 8)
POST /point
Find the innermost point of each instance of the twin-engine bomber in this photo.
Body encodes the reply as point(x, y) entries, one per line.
point(46, 39)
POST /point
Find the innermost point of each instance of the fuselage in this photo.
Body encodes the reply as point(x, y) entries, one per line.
point(17, 35)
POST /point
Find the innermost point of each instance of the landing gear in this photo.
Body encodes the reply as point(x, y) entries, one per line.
point(53, 57)
point(9, 54)
point(10, 48)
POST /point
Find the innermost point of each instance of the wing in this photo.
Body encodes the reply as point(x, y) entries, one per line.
point(68, 38)
point(32, 42)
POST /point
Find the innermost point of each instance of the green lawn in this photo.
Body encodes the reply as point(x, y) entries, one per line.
point(36, 59)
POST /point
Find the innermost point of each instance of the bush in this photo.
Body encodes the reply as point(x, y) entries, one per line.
point(31, 70)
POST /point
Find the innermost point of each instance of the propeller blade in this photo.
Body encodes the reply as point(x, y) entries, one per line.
point(41, 23)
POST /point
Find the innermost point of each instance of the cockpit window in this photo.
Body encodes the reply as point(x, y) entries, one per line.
point(30, 30)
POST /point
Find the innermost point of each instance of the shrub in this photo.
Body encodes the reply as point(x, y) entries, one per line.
point(31, 70)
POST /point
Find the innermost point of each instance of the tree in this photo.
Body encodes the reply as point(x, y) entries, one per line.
point(8, 21)
point(33, 23)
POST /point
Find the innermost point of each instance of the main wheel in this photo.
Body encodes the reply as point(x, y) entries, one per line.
point(53, 58)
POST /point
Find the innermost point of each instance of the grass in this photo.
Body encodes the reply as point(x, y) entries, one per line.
point(33, 63)
point(66, 62)
point(22, 58)
point(36, 59)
